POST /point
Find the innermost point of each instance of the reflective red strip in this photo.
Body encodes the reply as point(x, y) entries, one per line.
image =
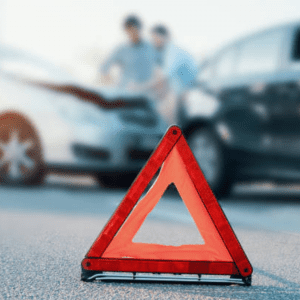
point(157, 266)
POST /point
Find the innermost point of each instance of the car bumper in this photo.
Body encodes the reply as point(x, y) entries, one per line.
point(119, 152)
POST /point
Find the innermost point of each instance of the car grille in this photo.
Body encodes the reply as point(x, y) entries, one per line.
point(283, 144)
point(146, 120)
point(90, 152)
point(141, 155)
point(140, 112)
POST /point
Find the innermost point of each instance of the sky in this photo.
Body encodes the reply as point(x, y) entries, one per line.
point(79, 34)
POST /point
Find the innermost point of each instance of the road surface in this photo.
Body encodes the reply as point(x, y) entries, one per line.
point(46, 231)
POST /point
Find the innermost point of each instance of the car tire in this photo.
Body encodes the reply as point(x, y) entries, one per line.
point(21, 159)
point(116, 180)
point(212, 159)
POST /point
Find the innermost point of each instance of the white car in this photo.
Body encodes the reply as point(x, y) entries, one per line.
point(48, 121)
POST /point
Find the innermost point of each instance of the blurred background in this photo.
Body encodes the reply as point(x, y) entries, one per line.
point(240, 114)
point(78, 35)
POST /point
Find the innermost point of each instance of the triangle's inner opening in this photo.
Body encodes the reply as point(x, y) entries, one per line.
point(169, 223)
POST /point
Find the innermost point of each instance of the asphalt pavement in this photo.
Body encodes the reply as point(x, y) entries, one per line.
point(46, 231)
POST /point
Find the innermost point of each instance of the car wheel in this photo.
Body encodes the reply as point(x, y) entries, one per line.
point(20, 151)
point(116, 180)
point(211, 158)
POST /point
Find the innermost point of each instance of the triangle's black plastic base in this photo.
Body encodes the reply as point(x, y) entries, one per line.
point(89, 276)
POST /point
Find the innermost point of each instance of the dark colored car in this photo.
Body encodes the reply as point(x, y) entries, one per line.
point(242, 120)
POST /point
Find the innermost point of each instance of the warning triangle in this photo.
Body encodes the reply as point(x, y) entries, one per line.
point(173, 171)
point(114, 250)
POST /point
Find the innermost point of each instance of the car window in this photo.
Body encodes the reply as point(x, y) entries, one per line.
point(225, 63)
point(261, 53)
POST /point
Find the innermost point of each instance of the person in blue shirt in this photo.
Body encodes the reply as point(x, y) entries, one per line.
point(178, 73)
point(135, 58)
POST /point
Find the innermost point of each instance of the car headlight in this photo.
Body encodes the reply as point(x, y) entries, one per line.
point(200, 104)
point(224, 132)
point(261, 110)
point(78, 111)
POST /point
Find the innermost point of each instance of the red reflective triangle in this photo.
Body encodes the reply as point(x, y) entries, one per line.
point(221, 253)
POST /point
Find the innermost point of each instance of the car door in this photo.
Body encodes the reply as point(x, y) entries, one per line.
point(232, 88)
point(260, 68)
point(281, 92)
point(285, 98)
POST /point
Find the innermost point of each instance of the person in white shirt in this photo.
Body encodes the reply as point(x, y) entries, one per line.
point(177, 73)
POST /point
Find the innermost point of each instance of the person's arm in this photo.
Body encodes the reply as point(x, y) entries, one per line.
point(160, 84)
point(157, 86)
point(114, 59)
point(184, 69)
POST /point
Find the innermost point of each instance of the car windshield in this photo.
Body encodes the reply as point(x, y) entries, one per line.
point(25, 66)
